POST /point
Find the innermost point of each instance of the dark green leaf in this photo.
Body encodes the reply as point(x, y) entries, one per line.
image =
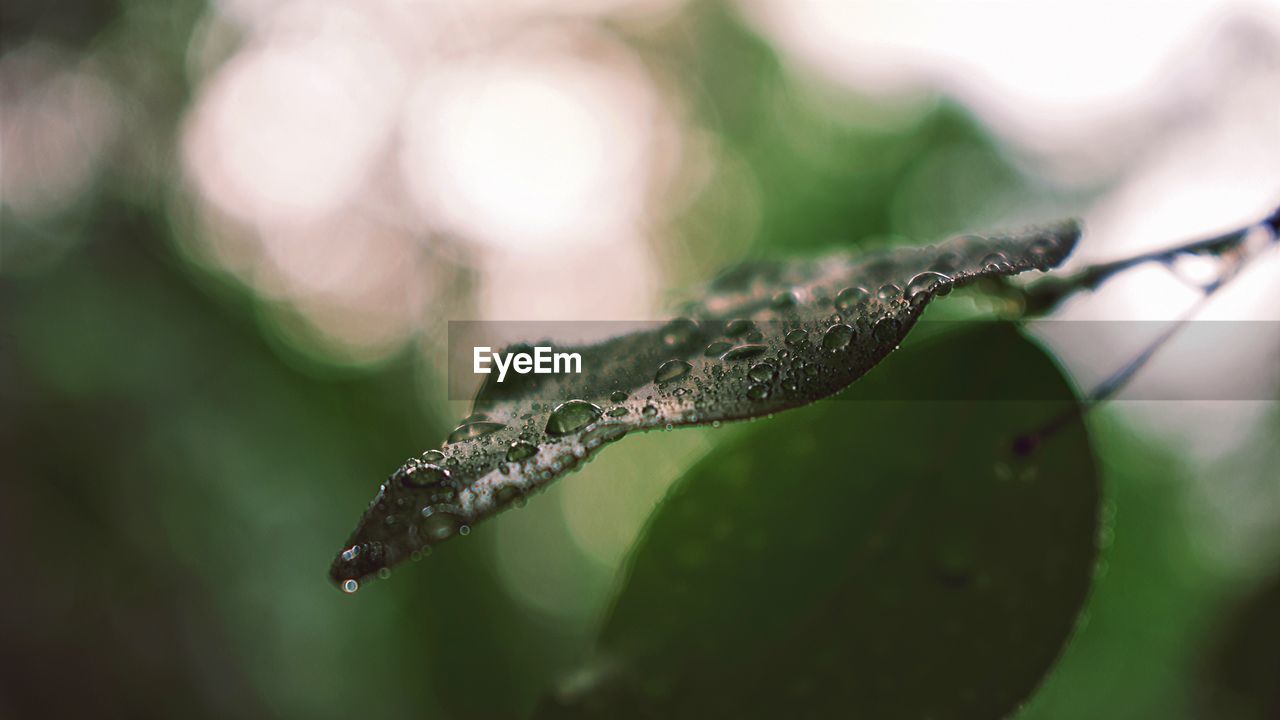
point(796, 332)
point(864, 558)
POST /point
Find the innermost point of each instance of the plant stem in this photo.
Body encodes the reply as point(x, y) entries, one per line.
point(1043, 296)
point(1046, 294)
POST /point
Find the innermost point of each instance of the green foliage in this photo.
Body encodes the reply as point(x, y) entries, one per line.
point(889, 559)
point(766, 337)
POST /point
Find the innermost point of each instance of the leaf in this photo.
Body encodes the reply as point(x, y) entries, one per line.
point(766, 337)
point(1237, 674)
point(864, 558)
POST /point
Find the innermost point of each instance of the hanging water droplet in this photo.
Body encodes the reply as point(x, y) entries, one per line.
point(672, 370)
point(520, 450)
point(758, 392)
point(437, 525)
point(784, 300)
point(351, 553)
point(837, 337)
point(848, 298)
point(717, 349)
point(350, 586)
point(743, 352)
point(761, 372)
point(797, 338)
point(678, 331)
point(384, 573)
point(472, 430)
point(603, 434)
point(922, 285)
point(433, 456)
point(738, 327)
point(889, 291)
point(570, 416)
point(618, 396)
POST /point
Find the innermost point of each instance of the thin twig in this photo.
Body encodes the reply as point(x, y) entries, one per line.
point(1046, 294)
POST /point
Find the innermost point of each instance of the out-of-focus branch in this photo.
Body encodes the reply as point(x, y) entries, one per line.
point(1043, 296)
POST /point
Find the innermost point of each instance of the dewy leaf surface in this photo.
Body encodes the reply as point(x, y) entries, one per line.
point(864, 558)
point(765, 337)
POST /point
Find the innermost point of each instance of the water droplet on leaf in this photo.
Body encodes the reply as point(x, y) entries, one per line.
point(717, 349)
point(837, 337)
point(889, 291)
point(743, 352)
point(678, 331)
point(437, 525)
point(570, 416)
point(762, 372)
point(849, 298)
point(472, 430)
point(672, 370)
point(921, 287)
point(520, 450)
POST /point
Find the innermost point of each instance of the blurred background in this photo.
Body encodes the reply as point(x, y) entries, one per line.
point(233, 232)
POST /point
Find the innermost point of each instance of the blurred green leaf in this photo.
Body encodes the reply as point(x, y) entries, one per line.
point(879, 559)
point(1240, 679)
point(768, 337)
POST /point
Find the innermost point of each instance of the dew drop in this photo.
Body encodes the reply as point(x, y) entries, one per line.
point(678, 331)
point(473, 430)
point(758, 392)
point(762, 372)
point(520, 450)
point(743, 352)
point(836, 337)
point(618, 396)
point(738, 327)
point(464, 529)
point(797, 338)
point(423, 476)
point(433, 456)
point(995, 262)
point(886, 329)
point(603, 434)
point(889, 291)
point(650, 411)
point(350, 586)
point(848, 298)
point(437, 525)
point(570, 416)
point(672, 370)
point(617, 412)
point(384, 572)
point(784, 300)
point(922, 286)
point(717, 349)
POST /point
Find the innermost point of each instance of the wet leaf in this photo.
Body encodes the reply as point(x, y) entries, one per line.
point(765, 337)
point(863, 558)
